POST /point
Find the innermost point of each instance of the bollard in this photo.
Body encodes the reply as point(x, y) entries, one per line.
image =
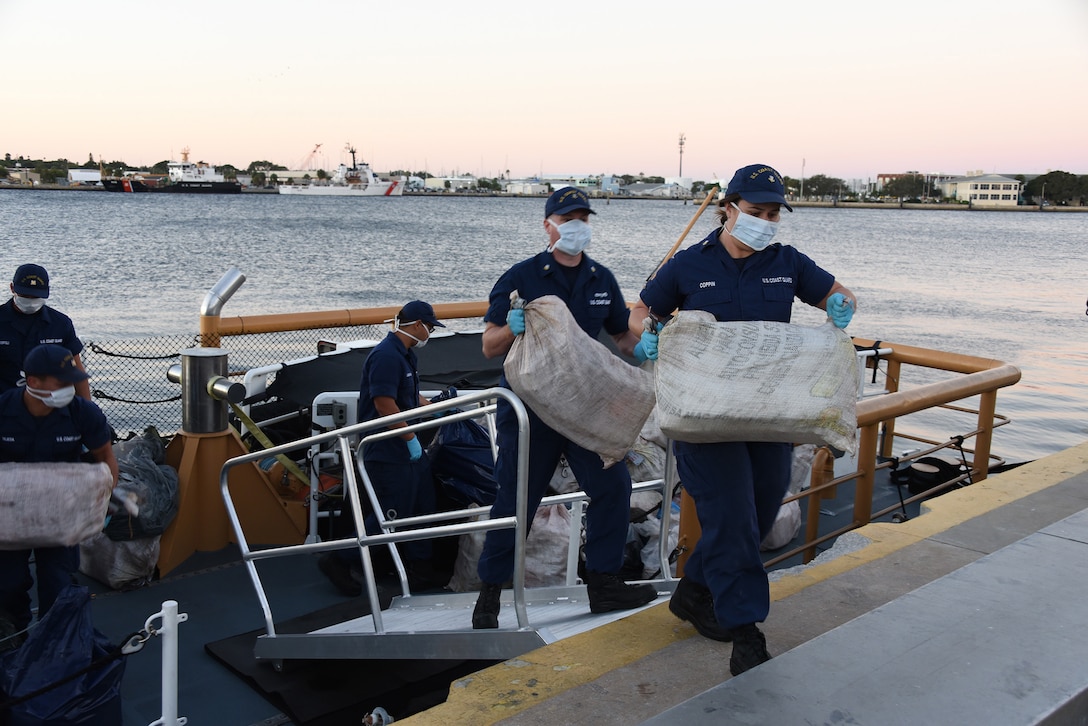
point(201, 371)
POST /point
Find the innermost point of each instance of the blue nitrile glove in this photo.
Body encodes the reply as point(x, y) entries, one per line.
point(415, 449)
point(840, 310)
point(646, 349)
point(516, 320)
point(447, 394)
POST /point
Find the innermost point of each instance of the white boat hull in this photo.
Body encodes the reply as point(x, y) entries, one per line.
point(393, 188)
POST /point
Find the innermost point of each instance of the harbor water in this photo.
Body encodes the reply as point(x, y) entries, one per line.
point(1004, 285)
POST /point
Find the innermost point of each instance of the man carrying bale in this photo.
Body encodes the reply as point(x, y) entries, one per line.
point(593, 297)
point(736, 274)
point(47, 422)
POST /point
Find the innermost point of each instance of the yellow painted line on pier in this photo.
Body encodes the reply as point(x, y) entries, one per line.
point(505, 689)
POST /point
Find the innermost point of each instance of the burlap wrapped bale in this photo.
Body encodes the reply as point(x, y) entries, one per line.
point(575, 384)
point(756, 381)
point(52, 505)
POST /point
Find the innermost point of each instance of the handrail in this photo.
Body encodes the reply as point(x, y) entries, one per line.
point(982, 377)
point(434, 523)
point(212, 327)
point(518, 522)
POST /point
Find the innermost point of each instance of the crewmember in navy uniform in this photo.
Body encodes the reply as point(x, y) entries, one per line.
point(46, 422)
point(563, 270)
point(398, 467)
point(736, 274)
point(26, 322)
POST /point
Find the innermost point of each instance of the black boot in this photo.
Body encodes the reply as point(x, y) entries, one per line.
point(749, 649)
point(608, 592)
point(486, 614)
point(694, 603)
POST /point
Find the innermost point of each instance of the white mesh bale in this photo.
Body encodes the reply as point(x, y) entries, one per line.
point(756, 381)
point(575, 384)
point(52, 504)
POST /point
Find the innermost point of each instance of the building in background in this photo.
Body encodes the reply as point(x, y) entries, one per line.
point(983, 190)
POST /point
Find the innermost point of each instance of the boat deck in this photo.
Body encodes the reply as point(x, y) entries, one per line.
point(904, 585)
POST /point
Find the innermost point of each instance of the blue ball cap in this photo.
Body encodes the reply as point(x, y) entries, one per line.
point(53, 360)
point(758, 183)
point(565, 201)
point(31, 281)
point(418, 310)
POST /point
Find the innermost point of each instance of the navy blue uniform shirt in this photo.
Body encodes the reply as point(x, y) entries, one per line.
point(58, 437)
point(19, 333)
point(705, 277)
point(594, 298)
point(390, 370)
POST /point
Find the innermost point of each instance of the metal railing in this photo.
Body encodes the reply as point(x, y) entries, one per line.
point(427, 526)
point(877, 418)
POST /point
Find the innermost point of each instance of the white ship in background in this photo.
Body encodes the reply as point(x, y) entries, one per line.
point(357, 180)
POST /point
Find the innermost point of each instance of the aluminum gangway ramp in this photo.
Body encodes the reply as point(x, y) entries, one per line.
point(439, 626)
point(418, 626)
point(1003, 640)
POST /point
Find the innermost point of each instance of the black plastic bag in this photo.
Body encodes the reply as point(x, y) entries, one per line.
point(463, 465)
point(148, 483)
point(63, 643)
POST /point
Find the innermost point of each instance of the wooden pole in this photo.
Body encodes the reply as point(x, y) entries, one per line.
point(698, 213)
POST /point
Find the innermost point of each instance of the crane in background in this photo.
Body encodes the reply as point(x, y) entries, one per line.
point(308, 161)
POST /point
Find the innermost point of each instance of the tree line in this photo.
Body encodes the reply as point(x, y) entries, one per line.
point(1055, 187)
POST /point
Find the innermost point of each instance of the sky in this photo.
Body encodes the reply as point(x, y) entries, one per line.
point(847, 88)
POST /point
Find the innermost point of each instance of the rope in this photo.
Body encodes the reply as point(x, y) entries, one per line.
point(267, 443)
point(99, 393)
point(957, 442)
point(876, 358)
point(102, 351)
point(115, 653)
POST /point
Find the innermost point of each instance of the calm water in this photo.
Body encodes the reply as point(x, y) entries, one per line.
point(1007, 285)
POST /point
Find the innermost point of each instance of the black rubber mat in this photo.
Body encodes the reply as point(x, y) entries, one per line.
point(327, 692)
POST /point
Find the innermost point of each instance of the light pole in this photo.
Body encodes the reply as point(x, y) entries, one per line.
point(802, 195)
point(681, 172)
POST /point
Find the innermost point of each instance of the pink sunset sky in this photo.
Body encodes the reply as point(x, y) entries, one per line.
point(852, 88)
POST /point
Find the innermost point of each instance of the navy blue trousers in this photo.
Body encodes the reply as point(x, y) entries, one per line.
point(53, 567)
point(737, 488)
point(404, 489)
point(608, 514)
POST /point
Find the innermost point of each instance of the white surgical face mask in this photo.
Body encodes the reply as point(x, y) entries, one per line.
point(752, 231)
point(54, 399)
point(574, 236)
point(28, 305)
point(419, 343)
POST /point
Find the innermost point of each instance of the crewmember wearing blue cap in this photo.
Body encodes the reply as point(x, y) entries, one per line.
point(736, 273)
point(47, 422)
point(593, 297)
point(26, 321)
point(398, 467)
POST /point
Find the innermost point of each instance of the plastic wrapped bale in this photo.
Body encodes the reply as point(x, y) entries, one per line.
point(756, 381)
point(575, 384)
point(52, 504)
point(787, 523)
point(545, 552)
point(123, 565)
